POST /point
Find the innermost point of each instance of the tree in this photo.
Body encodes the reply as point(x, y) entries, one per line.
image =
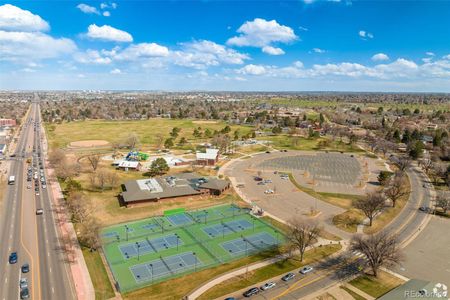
point(396, 189)
point(159, 166)
point(94, 160)
point(159, 140)
point(381, 249)
point(57, 157)
point(302, 234)
point(102, 178)
point(79, 207)
point(175, 131)
point(89, 234)
point(183, 141)
point(443, 203)
point(276, 130)
point(415, 149)
point(370, 205)
point(403, 163)
point(384, 176)
point(168, 143)
point(132, 140)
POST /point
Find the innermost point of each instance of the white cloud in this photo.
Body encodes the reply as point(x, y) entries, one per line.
point(28, 70)
point(92, 57)
point(106, 14)
point(202, 54)
point(104, 5)
point(427, 59)
point(303, 28)
point(116, 71)
point(318, 50)
point(87, 9)
point(261, 33)
point(272, 50)
point(13, 18)
point(252, 70)
point(380, 57)
point(430, 53)
point(142, 50)
point(365, 35)
point(30, 46)
point(108, 33)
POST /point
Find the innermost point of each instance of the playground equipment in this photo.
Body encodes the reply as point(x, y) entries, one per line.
point(136, 156)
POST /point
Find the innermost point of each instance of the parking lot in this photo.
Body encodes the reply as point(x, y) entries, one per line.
point(286, 201)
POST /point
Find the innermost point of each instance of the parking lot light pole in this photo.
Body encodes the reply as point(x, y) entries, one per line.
point(178, 239)
point(126, 231)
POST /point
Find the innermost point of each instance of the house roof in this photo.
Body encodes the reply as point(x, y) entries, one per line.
point(128, 164)
point(183, 184)
point(410, 290)
point(209, 154)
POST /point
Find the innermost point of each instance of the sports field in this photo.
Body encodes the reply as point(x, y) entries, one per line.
point(159, 248)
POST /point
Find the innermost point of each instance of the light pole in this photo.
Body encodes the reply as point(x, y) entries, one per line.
point(126, 231)
point(276, 233)
point(195, 266)
point(178, 239)
point(138, 246)
point(223, 230)
point(151, 268)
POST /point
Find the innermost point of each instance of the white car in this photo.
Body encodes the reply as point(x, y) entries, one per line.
point(306, 270)
point(268, 286)
point(23, 283)
point(268, 191)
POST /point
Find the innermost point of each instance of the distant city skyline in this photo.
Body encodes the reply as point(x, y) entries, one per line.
point(334, 45)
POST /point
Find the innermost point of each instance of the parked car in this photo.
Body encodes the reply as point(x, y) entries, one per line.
point(269, 191)
point(39, 211)
point(251, 292)
point(25, 268)
point(25, 294)
point(268, 181)
point(288, 277)
point(13, 258)
point(306, 270)
point(268, 286)
point(261, 183)
point(23, 283)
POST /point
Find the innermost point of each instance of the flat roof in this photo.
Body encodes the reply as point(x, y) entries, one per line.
point(183, 184)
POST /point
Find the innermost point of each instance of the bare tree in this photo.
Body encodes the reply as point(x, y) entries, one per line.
point(92, 178)
point(89, 234)
point(79, 206)
point(302, 234)
point(102, 178)
point(113, 179)
point(57, 157)
point(381, 249)
point(159, 138)
point(443, 203)
point(426, 164)
point(403, 163)
point(94, 160)
point(396, 189)
point(132, 140)
point(370, 205)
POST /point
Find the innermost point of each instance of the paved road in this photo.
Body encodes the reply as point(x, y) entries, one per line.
point(406, 224)
point(33, 237)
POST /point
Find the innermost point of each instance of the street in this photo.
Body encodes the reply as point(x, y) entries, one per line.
point(34, 237)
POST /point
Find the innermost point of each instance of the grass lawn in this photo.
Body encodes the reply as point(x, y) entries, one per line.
point(265, 273)
point(60, 135)
point(352, 293)
point(376, 286)
point(391, 212)
point(100, 280)
point(348, 220)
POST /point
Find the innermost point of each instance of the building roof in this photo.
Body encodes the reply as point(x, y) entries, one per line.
point(412, 289)
point(209, 154)
point(128, 164)
point(184, 184)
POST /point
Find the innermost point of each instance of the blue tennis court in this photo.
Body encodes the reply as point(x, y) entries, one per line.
point(180, 219)
point(250, 243)
point(152, 227)
point(166, 266)
point(226, 228)
point(150, 246)
point(110, 234)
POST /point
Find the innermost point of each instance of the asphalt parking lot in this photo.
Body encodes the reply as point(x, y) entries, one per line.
point(428, 256)
point(287, 201)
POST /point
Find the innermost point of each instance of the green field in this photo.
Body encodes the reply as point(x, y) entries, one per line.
point(61, 135)
point(160, 248)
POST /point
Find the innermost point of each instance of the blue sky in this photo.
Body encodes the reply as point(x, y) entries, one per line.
point(226, 45)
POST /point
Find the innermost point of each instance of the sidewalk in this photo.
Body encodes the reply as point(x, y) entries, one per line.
point(84, 288)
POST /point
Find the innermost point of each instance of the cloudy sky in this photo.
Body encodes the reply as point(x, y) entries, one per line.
point(226, 45)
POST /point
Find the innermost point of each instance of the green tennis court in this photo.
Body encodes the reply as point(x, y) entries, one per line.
point(160, 248)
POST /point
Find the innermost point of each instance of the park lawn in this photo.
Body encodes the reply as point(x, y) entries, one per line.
point(60, 135)
point(348, 220)
point(376, 286)
point(249, 149)
point(268, 272)
point(352, 293)
point(97, 271)
point(389, 213)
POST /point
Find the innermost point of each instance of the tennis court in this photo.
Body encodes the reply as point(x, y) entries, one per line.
point(160, 248)
point(163, 267)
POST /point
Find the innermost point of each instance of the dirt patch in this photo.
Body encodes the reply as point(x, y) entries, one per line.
point(89, 144)
point(204, 122)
